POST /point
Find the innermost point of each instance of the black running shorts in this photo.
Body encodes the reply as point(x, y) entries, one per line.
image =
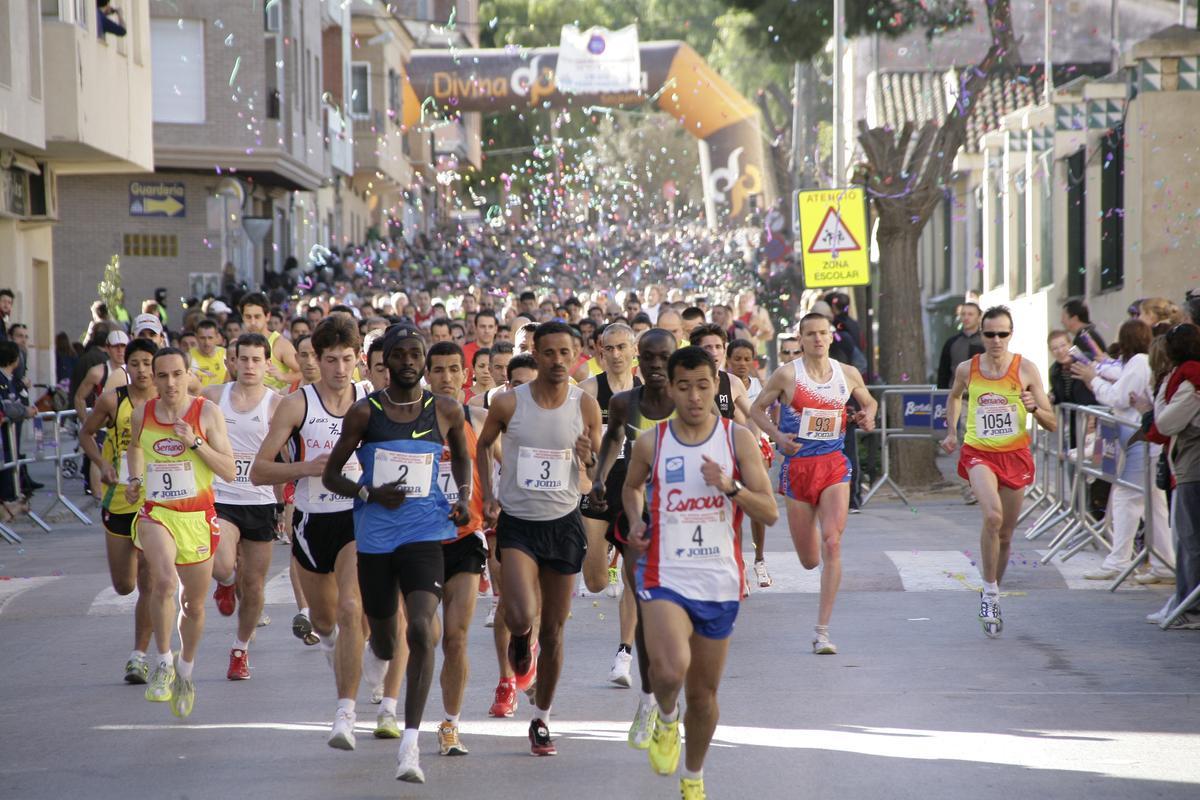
point(318, 538)
point(255, 523)
point(467, 554)
point(383, 577)
point(559, 544)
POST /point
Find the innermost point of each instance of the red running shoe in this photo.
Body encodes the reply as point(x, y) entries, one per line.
point(540, 743)
point(524, 669)
point(505, 704)
point(226, 599)
point(239, 666)
point(485, 583)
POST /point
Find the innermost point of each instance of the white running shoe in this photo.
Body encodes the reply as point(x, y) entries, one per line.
point(642, 729)
point(760, 572)
point(1158, 616)
point(614, 582)
point(989, 615)
point(341, 736)
point(408, 765)
point(822, 646)
point(490, 622)
point(619, 674)
point(373, 672)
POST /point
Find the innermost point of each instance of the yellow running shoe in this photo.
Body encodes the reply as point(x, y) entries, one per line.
point(158, 690)
point(183, 695)
point(664, 746)
point(692, 789)
point(448, 742)
point(386, 726)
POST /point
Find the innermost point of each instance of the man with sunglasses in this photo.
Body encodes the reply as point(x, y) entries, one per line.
point(1002, 391)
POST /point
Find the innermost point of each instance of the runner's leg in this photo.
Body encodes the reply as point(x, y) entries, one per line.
point(254, 559)
point(556, 590)
point(225, 559)
point(159, 550)
point(832, 509)
point(703, 677)
point(458, 607)
point(643, 655)
point(349, 647)
point(422, 634)
point(595, 562)
point(122, 563)
point(987, 491)
point(669, 627)
point(195, 579)
point(143, 626)
point(802, 524)
point(1010, 504)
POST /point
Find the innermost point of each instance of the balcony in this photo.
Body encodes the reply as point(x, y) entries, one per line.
point(98, 113)
point(339, 141)
point(379, 148)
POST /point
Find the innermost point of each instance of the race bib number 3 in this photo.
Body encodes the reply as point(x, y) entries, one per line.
point(820, 424)
point(413, 472)
point(694, 540)
point(544, 470)
point(173, 480)
point(996, 422)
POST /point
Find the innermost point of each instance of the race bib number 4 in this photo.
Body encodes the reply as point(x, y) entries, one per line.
point(544, 470)
point(821, 424)
point(996, 422)
point(694, 540)
point(173, 480)
point(412, 472)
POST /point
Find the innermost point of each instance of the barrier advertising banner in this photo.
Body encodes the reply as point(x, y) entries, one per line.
point(925, 412)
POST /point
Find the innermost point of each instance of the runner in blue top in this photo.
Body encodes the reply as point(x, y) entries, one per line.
point(401, 516)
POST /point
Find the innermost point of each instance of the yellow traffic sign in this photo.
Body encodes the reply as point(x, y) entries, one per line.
point(833, 238)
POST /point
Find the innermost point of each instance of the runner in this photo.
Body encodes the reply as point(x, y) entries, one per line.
point(323, 523)
point(126, 565)
point(482, 373)
point(401, 516)
point(245, 512)
point(550, 430)
point(815, 475)
point(177, 445)
point(465, 556)
point(743, 364)
point(616, 353)
point(703, 473)
point(732, 401)
point(630, 414)
point(283, 369)
point(208, 359)
point(310, 369)
point(1003, 390)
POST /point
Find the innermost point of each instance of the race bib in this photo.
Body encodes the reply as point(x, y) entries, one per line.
point(412, 471)
point(241, 466)
point(820, 424)
point(446, 481)
point(316, 489)
point(694, 540)
point(123, 469)
point(173, 480)
point(544, 470)
point(996, 422)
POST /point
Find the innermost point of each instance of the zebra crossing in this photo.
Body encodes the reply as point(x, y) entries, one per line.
point(891, 570)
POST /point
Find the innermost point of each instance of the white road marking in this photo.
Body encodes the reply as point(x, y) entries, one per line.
point(933, 570)
point(1085, 561)
point(10, 588)
point(278, 592)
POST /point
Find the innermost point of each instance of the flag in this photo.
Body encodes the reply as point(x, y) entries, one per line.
point(598, 61)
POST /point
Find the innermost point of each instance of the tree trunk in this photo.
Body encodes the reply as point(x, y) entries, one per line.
point(903, 359)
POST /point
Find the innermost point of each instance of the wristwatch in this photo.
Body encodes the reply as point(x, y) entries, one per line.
point(364, 493)
point(196, 443)
point(737, 487)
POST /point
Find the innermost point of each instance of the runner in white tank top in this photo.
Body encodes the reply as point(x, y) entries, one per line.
point(245, 512)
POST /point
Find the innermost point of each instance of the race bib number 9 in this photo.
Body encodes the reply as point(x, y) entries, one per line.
point(544, 470)
point(173, 480)
point(412, 472)
point(820, 424)
point(996, 422)
point(694, 540)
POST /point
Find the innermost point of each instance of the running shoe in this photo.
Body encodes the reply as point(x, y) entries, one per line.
point(448, 742)
point(373, 671)
point(664, 747)
point(643, 725)
point(989, 615)
point(485, 581)
point(540, 743)
point(226, 598)
point(183, 695)
point(386, 726)
point(302, 629)
point(377, 694)
point(614, 587)
point(760, 572)
point(263, 621)
point(822, 646)
point(692, 789)
point(159, 688)
point(622, 663)
point(239, 666)
point(1159, 616)
point(341, 736)
point(524, 665)
point(408, 765)
point(137, 670)
point(505, 703)
point(490, 622)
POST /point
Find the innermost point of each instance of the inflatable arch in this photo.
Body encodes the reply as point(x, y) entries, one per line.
point(674, 77)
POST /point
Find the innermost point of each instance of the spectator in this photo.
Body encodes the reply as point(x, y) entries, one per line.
point(105, 22)
point(1132, 388)
point(6, 306)
point(64, 358)
point(962, 346)
point(1154, 310)
point(1078, 321)
point(842, 321)
point(14, 410)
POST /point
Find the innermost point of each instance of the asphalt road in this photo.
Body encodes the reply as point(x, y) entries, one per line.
point(1079, 698)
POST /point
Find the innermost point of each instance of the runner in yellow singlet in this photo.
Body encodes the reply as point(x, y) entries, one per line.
point(114, 412)
point(208, 359)
point(283, 369)
point(178, 443)
point(1003, 391)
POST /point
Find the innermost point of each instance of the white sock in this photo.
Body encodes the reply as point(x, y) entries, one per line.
point(409, 739)
point(346, 704)
point(238, 644)
point(388, 706)
point(647, 700)
point(184, 669)
point(671, 716)
point(304, 611)
point(452, 717)
point(231, 580)
point(164, 658)
point(991, 588)
point(822, 630)
point(137, 655)
point(691, 776)
point(542, 713)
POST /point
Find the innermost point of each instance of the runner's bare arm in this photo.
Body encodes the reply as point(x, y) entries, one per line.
point(265, 470)
point(589, 443)
point(778, 389)
point(1035, 399)
point(452, 420)
point(104, 411)
point(741, 405)
point(962, 376)
point(86, 387)
point(354, 426)
point(137, 460)
point(216, 452)
point(591, 386)
point(757, 499)
point(285, 351)
point(868, 406)
point(633, 493)
point(500, 412)
point(213, 393)
point(610, 444)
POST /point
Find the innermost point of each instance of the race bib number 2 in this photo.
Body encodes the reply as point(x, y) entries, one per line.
point(544, 470)
point(174, 480)
point(412, 472)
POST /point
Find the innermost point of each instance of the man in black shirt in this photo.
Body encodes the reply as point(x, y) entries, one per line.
point(962, 346)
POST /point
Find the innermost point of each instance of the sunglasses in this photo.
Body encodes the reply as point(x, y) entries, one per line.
point(995, 334)
point(789, 352)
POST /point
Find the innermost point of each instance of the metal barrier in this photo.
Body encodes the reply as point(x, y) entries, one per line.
point(15, 461)
point(922, 417)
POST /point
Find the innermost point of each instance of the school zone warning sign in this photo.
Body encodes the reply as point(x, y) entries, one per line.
point(833, 228)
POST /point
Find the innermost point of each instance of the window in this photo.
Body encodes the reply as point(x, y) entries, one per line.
point(272, 16)
point(272, 76)
point(177, 70)
point(1021, 216)
point(996, 234)
point(34, 17)
point(6, 47)
point(1112, 210)
point(1076, 223)
point(394, 96)
point(151, 245)
point(1045, 271)
point(360, 89)
point(83, 11)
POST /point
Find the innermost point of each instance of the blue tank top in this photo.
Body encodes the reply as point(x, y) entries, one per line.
point(409, 452)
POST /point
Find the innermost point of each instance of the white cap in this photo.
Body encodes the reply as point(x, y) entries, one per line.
point(117, 337)
point(219, 307)
point(143, 322)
